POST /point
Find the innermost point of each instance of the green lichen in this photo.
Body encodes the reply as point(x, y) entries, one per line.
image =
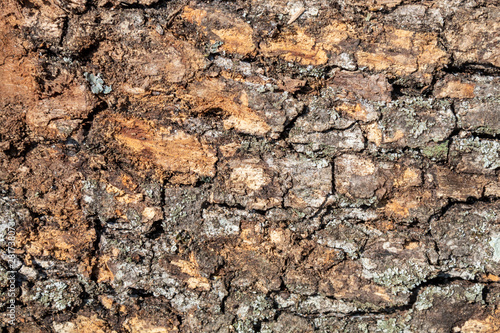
point(313, 71)
point(346, 202)
point(133, 216)
point(213, 48)
point(403, 278)
point(177, 212)
point(487, 130)
point(452, 293)
point(56, 294)
point(256, 146)
point(422, 120)
point(388, 326)
point(474, 294)
point(298, 213)
point(243, 326)
point(426, 298)
point(436, 152)
point(206, 179)
point(254, 307)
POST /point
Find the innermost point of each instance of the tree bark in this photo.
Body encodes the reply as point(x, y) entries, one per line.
point(250, 166)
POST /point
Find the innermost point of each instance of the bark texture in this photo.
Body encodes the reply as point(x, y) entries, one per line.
point(230, 166)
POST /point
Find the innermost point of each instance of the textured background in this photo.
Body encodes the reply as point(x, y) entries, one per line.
point(208, 166)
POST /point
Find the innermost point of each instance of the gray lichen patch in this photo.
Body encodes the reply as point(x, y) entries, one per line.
point(288, 322)
point(321, 115)
point(479, 116)
point(475, 155)
point(218, 222)
point(401, 269)
point(495, 244)
point(454, 299)
point(327, 143)
point(452, 293)
point(417, 17)
point(57, 294)
point(250, 307)
point(412, 122)
point(11, 215)
point(401, 279)
point(97, 85)
point(321, 304)
point(467, 239)
point(342, 235)
point(390, 325)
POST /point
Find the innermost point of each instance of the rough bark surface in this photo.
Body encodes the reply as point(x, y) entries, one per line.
point(227, 166)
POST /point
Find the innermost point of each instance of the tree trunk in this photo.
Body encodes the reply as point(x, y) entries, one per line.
point(250, 166)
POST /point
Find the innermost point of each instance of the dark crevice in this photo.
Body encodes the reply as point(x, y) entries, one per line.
point(85, 54)
point(396, 92)
point(160, 4)
point(288, 126)
point(89, 121)
point(99, 231)
point(485, 293)
point(64, 30)
point(486, 136)
point(472, 68)
point(442, 279)
point(156, 230)
point(174, 14)
point(240, 207)
point(451, 203)
point(137, 292)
